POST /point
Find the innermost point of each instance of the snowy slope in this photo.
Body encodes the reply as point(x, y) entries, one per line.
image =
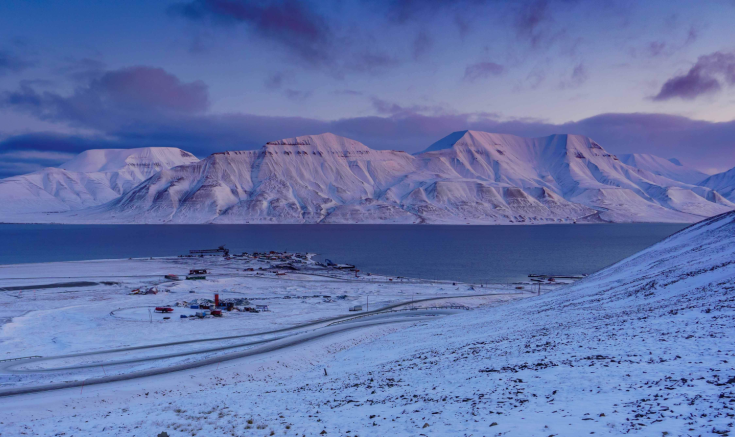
point(643, 347)
point(724, 183)
point(92, 178)
point(668, 168)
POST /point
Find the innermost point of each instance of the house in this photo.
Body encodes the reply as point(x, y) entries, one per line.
point(262, 307)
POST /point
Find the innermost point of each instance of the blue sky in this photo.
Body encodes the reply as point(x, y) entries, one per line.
point(210, 75)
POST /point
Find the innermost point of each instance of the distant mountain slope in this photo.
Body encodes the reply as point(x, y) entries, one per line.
point(724, 183)
point(668, 168)
point(92, 178)
point(468, 177)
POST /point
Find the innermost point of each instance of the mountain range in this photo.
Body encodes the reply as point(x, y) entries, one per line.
point(468, 177)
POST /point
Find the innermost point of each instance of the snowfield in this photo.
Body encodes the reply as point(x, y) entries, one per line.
point(643, 347)
point(468, 177)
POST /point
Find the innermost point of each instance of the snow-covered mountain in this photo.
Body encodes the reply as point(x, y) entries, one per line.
point(723, 183)
point(668, 168)
point(467, 177)
point(92, 178)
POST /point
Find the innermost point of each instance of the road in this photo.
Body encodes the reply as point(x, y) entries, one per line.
point(264, 347)
point(378, 317)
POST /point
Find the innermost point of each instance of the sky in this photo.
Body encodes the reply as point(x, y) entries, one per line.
point(212, 75)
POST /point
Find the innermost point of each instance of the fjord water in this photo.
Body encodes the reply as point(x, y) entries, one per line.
point(462, 253)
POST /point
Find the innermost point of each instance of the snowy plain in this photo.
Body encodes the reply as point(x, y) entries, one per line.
point(643, 347)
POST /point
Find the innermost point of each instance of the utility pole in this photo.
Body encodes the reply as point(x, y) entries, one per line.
point(368, 303)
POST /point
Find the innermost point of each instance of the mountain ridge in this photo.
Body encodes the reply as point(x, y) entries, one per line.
point(468, 177)
point(91, 178)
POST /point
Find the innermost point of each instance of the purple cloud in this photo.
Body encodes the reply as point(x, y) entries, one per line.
point(142, 106)
point(291, 23)
point(405, 128)
point(530, 18)
point(482, 70)
point(113, 99)
point(705, 77)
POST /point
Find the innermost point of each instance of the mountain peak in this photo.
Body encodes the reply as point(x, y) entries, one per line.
point(109, 160)
point(326, 139)
point(472, 137)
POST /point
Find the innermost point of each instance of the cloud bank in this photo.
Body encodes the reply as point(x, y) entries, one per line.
point(144, 106)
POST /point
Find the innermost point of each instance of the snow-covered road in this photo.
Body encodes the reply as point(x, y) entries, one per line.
point(261, 347)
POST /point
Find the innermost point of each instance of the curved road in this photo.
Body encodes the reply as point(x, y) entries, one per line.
point(269, 346)
point(304, 325)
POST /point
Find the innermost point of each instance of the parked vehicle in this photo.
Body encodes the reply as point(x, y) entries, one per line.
point(195, 277)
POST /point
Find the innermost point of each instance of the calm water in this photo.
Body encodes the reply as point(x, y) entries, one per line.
point(466, 253)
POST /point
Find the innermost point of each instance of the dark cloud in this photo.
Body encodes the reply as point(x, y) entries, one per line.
point(421, 45)
point(31, 152)
point(394, 109)
point(114, 99)
point(10, 62)
point(274, 81)
point(401, 11)
point(302, 29)
point(578, 77)
point(530, 18)
point(482, 70)
point(407, 128)
point(656, 48)
point(47, 142)
point(705, 77)
point(293, 24)
point(296, 94)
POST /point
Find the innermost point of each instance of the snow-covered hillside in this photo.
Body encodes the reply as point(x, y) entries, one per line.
point(723, 182)
point(668, 168)
point(467, 177)
point(92, 178)
point(643, 347)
